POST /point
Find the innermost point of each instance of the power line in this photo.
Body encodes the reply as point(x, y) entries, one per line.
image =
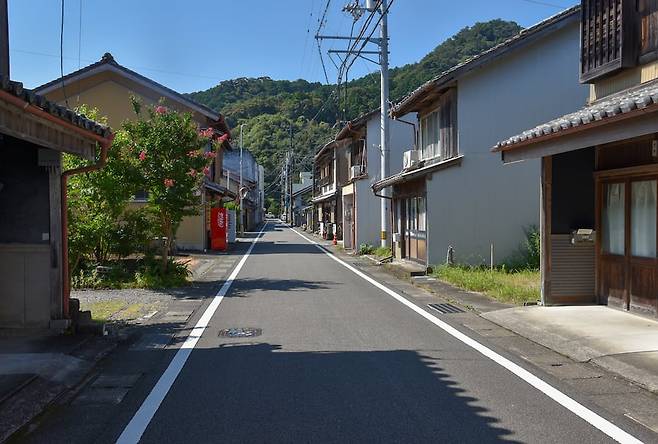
point(308, 31)
point(552, 5)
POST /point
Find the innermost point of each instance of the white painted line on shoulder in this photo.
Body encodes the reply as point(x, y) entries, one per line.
point(140, 421)
point(567, 402)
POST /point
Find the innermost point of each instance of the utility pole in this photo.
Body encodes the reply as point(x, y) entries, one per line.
point(357, 11)
point(285, 186)
point(4, 40)
point(385, 136)
point(289, 190)
point(240, 187)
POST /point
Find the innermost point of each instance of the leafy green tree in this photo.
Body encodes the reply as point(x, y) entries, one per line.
point(96, 200)
point(170, 158)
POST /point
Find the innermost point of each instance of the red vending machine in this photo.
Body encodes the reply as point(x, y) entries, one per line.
point(218, 222)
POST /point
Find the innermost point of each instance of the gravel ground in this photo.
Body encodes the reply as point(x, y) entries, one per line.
point(135, 303)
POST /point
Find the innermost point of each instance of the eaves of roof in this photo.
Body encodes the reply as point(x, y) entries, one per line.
point(356, 124)
point(108, 63)
point(623, 105)
point(408, 175)
point(62, 113)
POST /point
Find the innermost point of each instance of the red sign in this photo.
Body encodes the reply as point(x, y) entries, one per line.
point(218, 223)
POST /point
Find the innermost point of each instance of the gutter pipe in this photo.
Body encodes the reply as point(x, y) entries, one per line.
point(66, 274)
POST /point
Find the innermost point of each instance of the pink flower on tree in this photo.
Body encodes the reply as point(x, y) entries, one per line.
point(192, 172)
point(192, 153)
point(169, 183)
point(223, 137)
point(210, 155)
point(206, 171)
point(142, 155)
point(207, 133)
point(161, 109)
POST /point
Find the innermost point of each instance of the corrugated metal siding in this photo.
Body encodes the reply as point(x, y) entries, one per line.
point(572, 269)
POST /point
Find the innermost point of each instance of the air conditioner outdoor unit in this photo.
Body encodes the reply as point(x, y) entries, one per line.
point(355, 171)
point(411, 159)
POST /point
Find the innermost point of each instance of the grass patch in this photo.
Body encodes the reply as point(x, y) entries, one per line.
point(115, 310)
point(383, 252)
point(375, 251)
point(513, 287)
point(103, 310)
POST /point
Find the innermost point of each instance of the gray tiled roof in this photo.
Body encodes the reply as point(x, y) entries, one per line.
point(620, 103)
point(63, 113)
point(108, 59)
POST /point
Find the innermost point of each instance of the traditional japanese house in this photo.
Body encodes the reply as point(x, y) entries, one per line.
point(328, 179)
point(302, 193)
point(361, 164)
point(252, 213)
point(34, 132)
point(599, 164)
point(452, 200)
point(110, 87)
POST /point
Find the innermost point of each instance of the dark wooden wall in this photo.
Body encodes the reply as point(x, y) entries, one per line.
point(24, 199)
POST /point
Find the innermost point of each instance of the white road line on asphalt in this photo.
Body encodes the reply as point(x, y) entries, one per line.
point(140, 421)
point(570, 404)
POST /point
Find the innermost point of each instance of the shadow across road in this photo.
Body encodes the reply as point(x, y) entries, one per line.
point(247, 286)
point(258, 392)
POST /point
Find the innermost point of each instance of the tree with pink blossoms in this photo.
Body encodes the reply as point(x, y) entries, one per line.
point(170, 156)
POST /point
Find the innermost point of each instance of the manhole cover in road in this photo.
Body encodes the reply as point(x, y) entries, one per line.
point(240, 332)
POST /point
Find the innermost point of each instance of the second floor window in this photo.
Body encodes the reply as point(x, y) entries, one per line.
point(430, 136)
point(438, 129)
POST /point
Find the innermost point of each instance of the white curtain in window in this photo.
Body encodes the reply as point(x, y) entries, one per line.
point(613, 219)
point(421, 214)
point(430, 134)
point(643, 218)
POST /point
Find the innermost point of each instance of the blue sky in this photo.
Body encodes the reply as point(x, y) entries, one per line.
point(191, 45)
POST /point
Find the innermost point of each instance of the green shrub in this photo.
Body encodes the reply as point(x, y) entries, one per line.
point(151, 275)
point(132, 234)
point(142, 273)
point(86, 279)
point(383, 252)
point(366, 249)
point(528, 256)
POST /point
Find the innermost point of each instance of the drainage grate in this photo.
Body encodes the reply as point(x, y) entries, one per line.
point(445, 308)
point(240, 332)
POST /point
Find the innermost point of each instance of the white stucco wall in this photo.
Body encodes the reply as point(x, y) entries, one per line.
point(368, 205)
point(483, 201)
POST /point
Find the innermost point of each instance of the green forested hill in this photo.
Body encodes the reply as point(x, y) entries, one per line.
point(268, 107)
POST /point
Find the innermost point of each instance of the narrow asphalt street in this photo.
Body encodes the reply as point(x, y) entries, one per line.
point(335, 359)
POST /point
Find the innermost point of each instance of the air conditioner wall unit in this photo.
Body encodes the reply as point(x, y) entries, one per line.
point(411, 159)
point(355, 171)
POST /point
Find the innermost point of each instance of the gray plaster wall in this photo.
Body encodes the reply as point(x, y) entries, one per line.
point(483, 201)
point(368, 205)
